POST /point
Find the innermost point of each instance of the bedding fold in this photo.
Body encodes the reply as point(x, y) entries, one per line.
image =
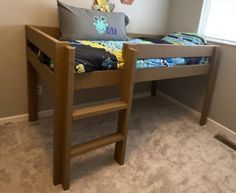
point(107, 55)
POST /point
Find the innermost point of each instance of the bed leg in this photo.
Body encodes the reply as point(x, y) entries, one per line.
point(66, 141)
point(57, 139)
point(32, 92)
point(61, 142)
point(154, 88)
point(210, 86)
point(63, 98)
point(127, 86)
point(120, 147)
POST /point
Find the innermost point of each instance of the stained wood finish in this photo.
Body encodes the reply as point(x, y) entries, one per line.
point(51, 31)
point(97, 79)
point(162, 73)
point(45, 73)
point(113, 77)
point(210, 86)
point(95, 144)
point(64, 82)
point(126, 93)
point(32, 92)
point(90, 111)
point(154, 88)
point(63, 97)
point(58, 116)
point(43, 41)
point(55, 32)
point(139, 35)
point(69, 63)
point(171, 51)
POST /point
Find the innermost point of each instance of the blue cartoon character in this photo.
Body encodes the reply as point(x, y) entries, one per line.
point(101, 24)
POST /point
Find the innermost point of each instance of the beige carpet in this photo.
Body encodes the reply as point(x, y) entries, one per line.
point(167, 152)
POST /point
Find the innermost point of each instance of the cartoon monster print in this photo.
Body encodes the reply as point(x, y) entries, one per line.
point(80, 68)
point(108, 63)
point(101, 24)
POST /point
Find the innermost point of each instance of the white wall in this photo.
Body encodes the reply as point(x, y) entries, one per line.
point(149, 16)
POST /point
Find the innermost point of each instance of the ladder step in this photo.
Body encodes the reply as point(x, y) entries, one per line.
point(95, 144)
point(98, 109)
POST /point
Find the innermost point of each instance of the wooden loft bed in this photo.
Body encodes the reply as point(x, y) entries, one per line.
point(63, 81)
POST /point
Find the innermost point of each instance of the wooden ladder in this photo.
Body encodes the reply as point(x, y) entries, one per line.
point(98, 110)
point(64, 113)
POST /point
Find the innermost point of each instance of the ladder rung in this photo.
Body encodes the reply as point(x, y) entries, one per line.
point(95, 144)
point(98, 109)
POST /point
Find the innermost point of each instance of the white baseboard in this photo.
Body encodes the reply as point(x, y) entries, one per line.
point(218, 128)
point(11, 119)
point(47, 113)
point(23, 117)
point(211, 123)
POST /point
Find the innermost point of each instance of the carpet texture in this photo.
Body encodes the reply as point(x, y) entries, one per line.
point(167, 152)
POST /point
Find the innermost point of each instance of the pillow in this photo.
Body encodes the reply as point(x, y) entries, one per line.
point(83, 24)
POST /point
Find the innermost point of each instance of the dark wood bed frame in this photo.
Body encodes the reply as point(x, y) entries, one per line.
point(63, 81)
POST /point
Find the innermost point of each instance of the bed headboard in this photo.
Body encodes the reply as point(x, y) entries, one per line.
point(55, 32)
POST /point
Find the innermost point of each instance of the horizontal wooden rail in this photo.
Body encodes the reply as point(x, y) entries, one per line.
point(113, 77)
point(43, 70)
point(95, 144)
point(52, 31)
point(55, 32)
point(170, 51)
point(89, 111)
point(45, 42)
point(162, 73)
point(97, 79)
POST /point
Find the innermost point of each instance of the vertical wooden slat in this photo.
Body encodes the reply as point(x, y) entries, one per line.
point(58, 106)
point(68, 98)
point(127, 85)
point(154, 88)
point(210, 86)
point(32, 92)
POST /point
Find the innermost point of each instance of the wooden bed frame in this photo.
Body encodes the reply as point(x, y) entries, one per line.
point(64, 82)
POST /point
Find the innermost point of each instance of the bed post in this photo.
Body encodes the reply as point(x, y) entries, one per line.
point(63, 104)
point(210, 86)
point(127, 85)
point(32, 91)
point(154, 88)
point(69, 96)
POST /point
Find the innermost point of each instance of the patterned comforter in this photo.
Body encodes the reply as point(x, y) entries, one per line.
point(107, 55)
